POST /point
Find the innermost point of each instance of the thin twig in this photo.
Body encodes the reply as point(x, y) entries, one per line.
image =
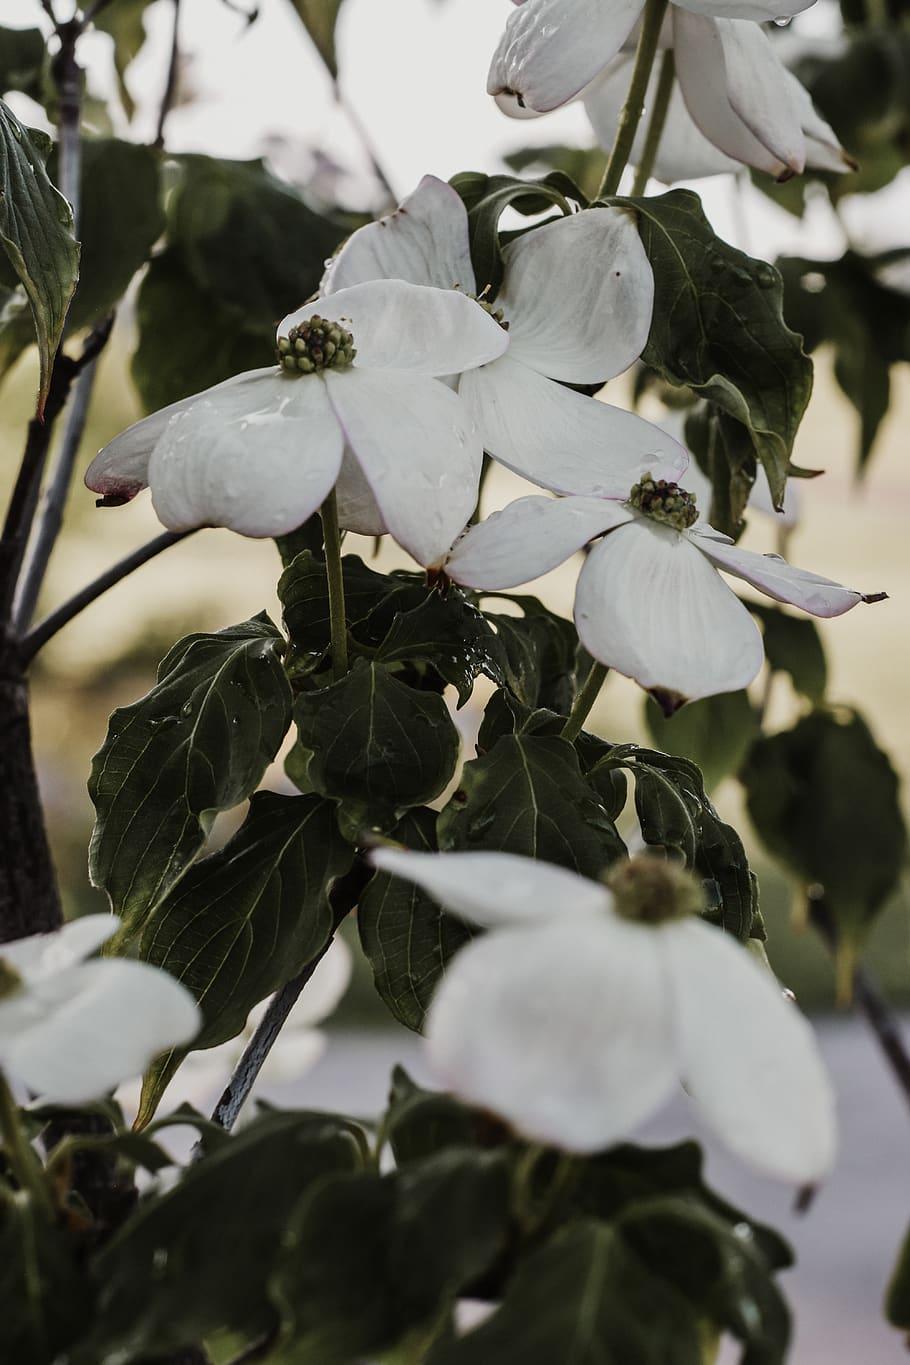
point(51, 518)
point(48, 8)
point(366, 143)
point(49, 627)
point(170, 85)
point(260, 1045)
point(881, 1019)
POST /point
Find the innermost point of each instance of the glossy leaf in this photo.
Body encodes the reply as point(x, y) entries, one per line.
point(527, 795)
point(486, 197)
point(420, 1123)
point(719, 328)
point(36, 233)
point(198, 743)
point(407, 937)
point(450, 636)
point(540, 653)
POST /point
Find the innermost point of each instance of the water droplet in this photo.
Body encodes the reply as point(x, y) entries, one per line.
point(784, 21)
point(743, 1232)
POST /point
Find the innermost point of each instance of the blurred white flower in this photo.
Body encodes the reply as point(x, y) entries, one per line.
point(299, 1046)
point(576, 299)
point(649, 600)
point(575, 1023)
point(733, 103)
point(71, 1029)
point(261, 452)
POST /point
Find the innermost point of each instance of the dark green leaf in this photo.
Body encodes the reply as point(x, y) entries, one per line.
point(197, 1259)
point(124, 21)
point(897, 1297)
point(419, 1123)
point(718, 327)
point(527, 795)
point(540, 649)
point(663, 815)
point(187, 342)
point(199, 742)
point(824, 799)
point(114, 243)
point(486, 197)
point(407, 937)
point(793, 645)
point(715, 732)
point(46, 1299)
point(22, 57)
point(245, 920)
point(319, 18)
point(730, 884)
point(374, 744)
point(36, 233)
point(585, 1296)
point(449, 635)
point(374, 1260)
point(583, 165)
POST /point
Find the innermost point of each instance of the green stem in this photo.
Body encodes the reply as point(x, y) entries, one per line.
point(331, 536)
point(20, 1154)
point(634, 106)
point(656, 125)
point(584, 701)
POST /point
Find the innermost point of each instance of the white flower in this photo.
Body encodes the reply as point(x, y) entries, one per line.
point(576, 297)
point(734, 101)
point(649, 600)
point(70, 1029)
point(261, 452)
point(576, 1024)
point(299, 1046)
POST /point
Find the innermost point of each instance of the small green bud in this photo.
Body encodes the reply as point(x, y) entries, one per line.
point(651, 890)
point(664, 501)
point(316, 345)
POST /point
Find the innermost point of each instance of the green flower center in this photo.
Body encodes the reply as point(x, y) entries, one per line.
point(495, 313)
point(10, 980)
point(316, 345)
point(650, 890)
point(665, 502)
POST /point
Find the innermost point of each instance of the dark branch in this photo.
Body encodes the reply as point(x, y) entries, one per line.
point(170, 85)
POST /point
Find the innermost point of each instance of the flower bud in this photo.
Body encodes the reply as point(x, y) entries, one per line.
point(651, 890)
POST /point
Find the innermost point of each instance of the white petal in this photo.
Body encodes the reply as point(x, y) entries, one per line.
point(107, 1021)
point(357, 508)
point(325, 989)
point(418, 451)
point(683, 154)
point(424, 241)
point(257, 461)
point(494, 889)
point(528, 538)
point(823, 151)
point(120, 469)
point(780, 580)
point(760, 10)
point(706, 89)
point(761, 90)
point(562, 1030)
point(42, 955)
point(401, 326)
point(748, 1057)
point(563, 440)
point(551, 49)
point(578, 294)
point(648, 606)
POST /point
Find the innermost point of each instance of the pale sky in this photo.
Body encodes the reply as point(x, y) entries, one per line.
point(415, 70)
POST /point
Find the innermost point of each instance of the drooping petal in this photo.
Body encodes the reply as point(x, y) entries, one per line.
point(762, 11)
point(562, 1030)
point(358, 510)
point(551, 49)
point(528, 538)
point(424, 241)
point(703, 79)
point(780, 580)
point(761, 90)
point(496, 889)
point(401, 326)
point(823, 151)
point(41, 955)
point(418, 451)
point(683, 153)
point(103, 1023)
point(563, 440)
point(761, 1085)
point(578, 293)
point(650, 606)
point(257, 461)
point(120, 469)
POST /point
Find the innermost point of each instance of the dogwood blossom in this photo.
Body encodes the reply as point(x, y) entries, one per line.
point(649, 601)
point(576, 299)
point(72, 1029)
point(734, 102)
point(575, 1022)
point(356, 385)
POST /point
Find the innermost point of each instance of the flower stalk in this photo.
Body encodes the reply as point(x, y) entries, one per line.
point(634, 107)
point(587, 696)
point(335, 578)
point(656, 124)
